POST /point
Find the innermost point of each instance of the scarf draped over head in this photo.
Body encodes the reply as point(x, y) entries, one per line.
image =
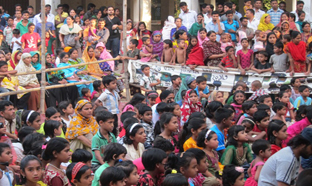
point(13, 61)
point(81, 125)
point(298, 52)
point(184, 86)
point(37, 64)
point(66, 49)
point(93, 68)
point(169, 24)
point(105, 55)
point(200, 41)
point(292, 25)
point(196, 56)
point(263, 26)
point(188, 107)
point(157, 47)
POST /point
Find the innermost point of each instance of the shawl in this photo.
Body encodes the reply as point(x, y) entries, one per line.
point(241, 35)
point(184, 86)
point(105, 55)
point(81, 125)
point(305, 38)
point(196, 56)
point(263, 26)
point(65, 29)
point(169, 24)
point(36, 65)
point(188, 107)
point(157, 47)
point(298, 52)
point(12, 83)
point(93, 68)
point(68, 72)
point(300, 25)
point(200, 41)
point(13, 61)
point(77, 61)
point(22, 67)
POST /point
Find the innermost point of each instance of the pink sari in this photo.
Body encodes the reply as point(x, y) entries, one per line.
point(106, 55)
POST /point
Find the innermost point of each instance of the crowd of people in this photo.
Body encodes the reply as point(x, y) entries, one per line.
point(186, 135)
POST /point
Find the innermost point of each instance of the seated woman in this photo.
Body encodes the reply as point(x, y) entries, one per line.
point(35, 62)
point(212, 50)
point(73, 75)
point(16, 57)
point(105, 55)
point(29, 81)
point(93, 69)
point(82, 127)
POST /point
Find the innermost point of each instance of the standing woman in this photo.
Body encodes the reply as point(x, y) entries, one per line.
point(178, 23)
point(212, 50)
point(93, 69)
point(82, 127)
point(70, 34)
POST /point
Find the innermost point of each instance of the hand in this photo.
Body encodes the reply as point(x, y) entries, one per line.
point(272, 71)
point(291, 73)
point(16, 168)
point(201, 94)
point(114, 27)
point(47, 83)
point(182, 64)
point(3, 130)
point(307, 73)
point(16, 42)
point(16, 87)
point(62, 45)
point(225, 70)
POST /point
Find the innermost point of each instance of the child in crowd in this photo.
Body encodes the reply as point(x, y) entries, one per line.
point(262, 120)
point(145, 114)
point(295, 83)
point(30, 39)
point(284, 98)
point(225, 41)
point(252, 136)
point(29, 163)
point(167, 52)
point(239, 86)
point(6, 157)
point(238, 100)
point(194, 54)
point(134, 141)
point(131, 171)
point(285, 40)
point(249, 108)
point(280, 111)
point(304, 99)
point(52, 129)
point(98, 89)
point(151, 97)
point(102, 138)
point(82, 155)
point(179, 53)
point(247, 5)
point(279, 60)
point(92, 30)
point(262, 150)
point(32, 119)
point(267, 100)
point(147, 50)
point(256, 87)
point(202, 36)
point(157, 44)
point(262, 64)
point(16, 42)
point(66, 110)
point(190, 132)
point(50, 37)
point(132, 54)
point(79, 174)
point(112, 176)
point(175, 180)
point(202, 88)
point(245, 57)
point(277, 132)
point(259, 38)
point(237, 151)
point(229, 61)
point(233, 176)
point(149, 81)
point(86, 94)
point(210, 110)
point(8, 30)
point(191, 104)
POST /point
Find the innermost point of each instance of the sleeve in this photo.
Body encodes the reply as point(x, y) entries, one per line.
point(95, 143)
point(142, 82)
point(271, 60)
point(186, 145)
point(283, 170)
point(206, 51)
point(237, 25)
point(4, 32)
point(17, 26)
point(222, 26)
point(36, 29)
point(297, 102)
point(249, 154)
point(102, 97)
point(223, 61)
point(56, 181)
point(23, 39)
point(221, 145)
point(227, 156)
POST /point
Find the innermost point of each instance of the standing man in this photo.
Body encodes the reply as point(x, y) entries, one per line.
point(235, 12)
point(204, 11)
point(299, 7)
point(51, 17)
point(245, 28)
point(215, 25)
point(113, 24)
point(30, 10)
point(231, 26)
point(282, 6)
point(252, 21)
point(8, 113)
point(228, 6)
point(275, 12)
point(90, 12)
point(189, 17)
point(258, 12)
point(59, 21)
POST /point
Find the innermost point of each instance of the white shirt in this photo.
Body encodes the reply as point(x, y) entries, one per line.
point(207, 19)
point(188, 19)
point(307, 16)
point(253, 24)
point(15, 45)
point(259, 14)
point(37, 19)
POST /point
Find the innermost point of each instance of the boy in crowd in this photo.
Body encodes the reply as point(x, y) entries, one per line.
point(82, 155)
point(202, 88)
point(18, 17)
point(262, 65)
point(148, 81)
point(132, 54)
point(8, 30)
point(279, 59)
point(22, 26)
point(262, 119)
point(304, 99)
point(229, 61)
point(145, 114)
point(31, 39)
point(267, 100)
point(256, 87)
point(180, 53)
point(175, 84)
point(86, 93)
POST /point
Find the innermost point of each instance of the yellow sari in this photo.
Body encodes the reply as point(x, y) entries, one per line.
point(12, 84)
point(92, 68)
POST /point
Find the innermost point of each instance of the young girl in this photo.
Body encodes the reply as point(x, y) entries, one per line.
point(208, 140)
point(262, 150)
point(167, 52)
point(249, 108)
point(277, 132)
point(184, 163)
point(136, 99)
point(202, 36)
point(79, 174)
point(238, 100)
point(6, 173)
point(295, 83)
point(249, 124)
point(147, 50)
point(131, 171)
point(191, 129)
point(92, 30)
point(225, 41)
point(191, 104)
point(175, 109)
point(113, 176)
point(271, 40)
point(66, 110)
point(235, 88)
point(233, 176)
point(245, 57)
point(194, 53)
point(175, 180)
point(157, 44)
point(283, 97)
point(179, 34)
point(32, 119)
point(237, 151)
point(301, 17)
point(210, 109)
point(169, 126)
point(53, 114)
point(57, 151)
point(278, 33)
point(31, 171)
point(52, 129)
point(134, 140)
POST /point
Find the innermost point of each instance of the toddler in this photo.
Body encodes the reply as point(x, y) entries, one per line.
point(147, 50)
point(259, 39)
point(261, 64)
point(167, 53)
point(225, 41)
point(92, 30)
point(233, 176)
point(256, 86)
point(180, 53)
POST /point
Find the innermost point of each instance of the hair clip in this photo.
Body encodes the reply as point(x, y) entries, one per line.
point(207, 133)
point(174, 171)
point(120, 160)
point(239, 169)
point(44, 147)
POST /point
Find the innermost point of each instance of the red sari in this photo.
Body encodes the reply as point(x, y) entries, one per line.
point(298, 53)
point(196, 56)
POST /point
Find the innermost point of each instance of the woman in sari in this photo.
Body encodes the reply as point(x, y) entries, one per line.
point(29, 81)
point(188, 82)
point(16, 57)
point(93, 69)
point(212, 50)
point(82, 127)
point(306, 34)
point(265, 23)
point(105, 55)
point(286, 17)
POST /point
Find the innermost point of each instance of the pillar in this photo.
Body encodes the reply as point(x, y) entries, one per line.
point(146, 12)
point(135, 11)
point(192, 5)
point(53, 4)
point(307, 7)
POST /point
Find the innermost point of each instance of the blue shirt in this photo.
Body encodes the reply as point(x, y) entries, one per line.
point(174, 30)
point(214, 27)
point(206, 91)
point(49, 26)
point(299, 101)
point(234, 26)
point(275, 16)
point(221, 138)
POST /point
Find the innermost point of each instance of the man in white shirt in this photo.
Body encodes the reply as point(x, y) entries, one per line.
point(258, 12)
point(299, 7)
point(37, 18)
point(189, 17)
point(206, 11)
point(252, 21)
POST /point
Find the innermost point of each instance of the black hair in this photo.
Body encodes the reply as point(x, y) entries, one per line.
point(248, 105)
point(285, 87)
point(24, 163)
point(136, 98)
point(182, 4)
point(24, 131)
point(143, 109)
point(126, 166)
point(229, 12)
point(249, 120)
point(50, 112)
point(81, 171)
point(297, 141)
point(81, 155)
point(287, 37)
point(5, 103)
point(228, 4)
point(55, 144)
point(151, 157)
point(71, 50)
point(200, 79)
point(99, 110)
point(278, 106)
point(113, 150)
point(29, 140)
point(111, 174)
point(129, 121)
point(229, 107)
point(174, 77)
point(178, 33)
point(163, 144)
point(2, 63)
point(259, 145)
point(84, 91)
point(202, 137)
point(211, 108)
point(233, 132)
point(305, 23)
point(178, 161)
point(126, 115)
point(181, 40)
point(222, 114)
point(260, 115)
point(144, 66)
point(49, 127)
point(211, 32)
point(164, 94)
point(31, 118)
point(169, 42)
point(63, 105)
point(16, 31)
point(294, 34)
point(108, 79)
point(230, 174)
point(145, 39)
point(291, 15)
point(175, 180)
point(164, 119)
point(135, 129)
point(243, 18)
point(90, 5)
point(274, 125)
point(238, 92)
point(202, 29)
point(97, 84)
point(25, 12)
point(3, 146)
point(302, 110)
point(304, 178)
point(103, 116)
point(135, 42)
point(193, 123)
point(227, 49)
point(303, 87)
point(251, 11)
point(199, 154)
point(293, 80)
point(279, 44)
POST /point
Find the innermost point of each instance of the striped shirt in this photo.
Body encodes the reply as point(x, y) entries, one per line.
point(110, 101)
point(275, 16)
point(257, 94)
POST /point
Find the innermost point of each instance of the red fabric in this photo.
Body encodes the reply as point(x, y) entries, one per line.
point(196, 56)
point(256, 129)
point(227, 62)
point(31, 40)
point(122, 133)
point(298, 52)
point(275, 148)
point(188, 107)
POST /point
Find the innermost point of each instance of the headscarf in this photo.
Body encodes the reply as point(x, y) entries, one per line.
point(188, 107)
point(298, 52)
point(288, 26)
point(196, 56)
point(200, 41)
point(292, 25)
point(105, 55)
point(13, 61)
point(213, 95)
point(66, 49)
point(263, 26)
point(93, 68)
point(270, 46)
point(169, 24)
point(157, 47)
point(36, 65)
point(184, 86)
point(81, 125)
